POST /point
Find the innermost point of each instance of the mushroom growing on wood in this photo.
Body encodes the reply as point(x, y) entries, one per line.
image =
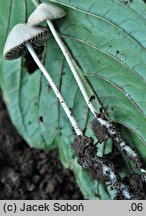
point(22, 36)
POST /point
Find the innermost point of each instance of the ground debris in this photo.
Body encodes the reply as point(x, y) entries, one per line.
point(104, 170)
point(86, 155)
point(99, 130)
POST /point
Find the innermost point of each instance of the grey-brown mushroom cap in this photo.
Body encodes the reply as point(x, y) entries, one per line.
point(19, 35)
point(44, 12)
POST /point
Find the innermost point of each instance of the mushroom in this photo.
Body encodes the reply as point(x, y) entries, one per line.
point(20, 36)
point(23, 35)
point(45, 12)
point(49, 12)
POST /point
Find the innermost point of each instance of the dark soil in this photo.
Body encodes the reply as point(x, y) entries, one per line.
point(86, 153)
point(28, 173)
point(106, 170)
point(99, 130)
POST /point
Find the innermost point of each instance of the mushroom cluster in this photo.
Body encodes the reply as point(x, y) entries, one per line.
point(27, 35)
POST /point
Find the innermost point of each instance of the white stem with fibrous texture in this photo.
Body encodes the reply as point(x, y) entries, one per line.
point(68, 57)
point(55, 89)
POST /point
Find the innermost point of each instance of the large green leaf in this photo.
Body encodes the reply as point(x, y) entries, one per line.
point(107, 40)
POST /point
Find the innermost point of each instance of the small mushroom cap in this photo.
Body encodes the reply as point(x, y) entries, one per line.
point(19, 35)
point(44, 12)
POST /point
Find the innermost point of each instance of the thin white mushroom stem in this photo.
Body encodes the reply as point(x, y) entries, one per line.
point(55, 89)
point(68, 57)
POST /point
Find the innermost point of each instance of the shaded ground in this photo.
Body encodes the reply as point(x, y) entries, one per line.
point(27, 173)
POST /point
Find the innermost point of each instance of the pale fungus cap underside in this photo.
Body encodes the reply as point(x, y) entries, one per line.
point(44, 12)
point(19, 35)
